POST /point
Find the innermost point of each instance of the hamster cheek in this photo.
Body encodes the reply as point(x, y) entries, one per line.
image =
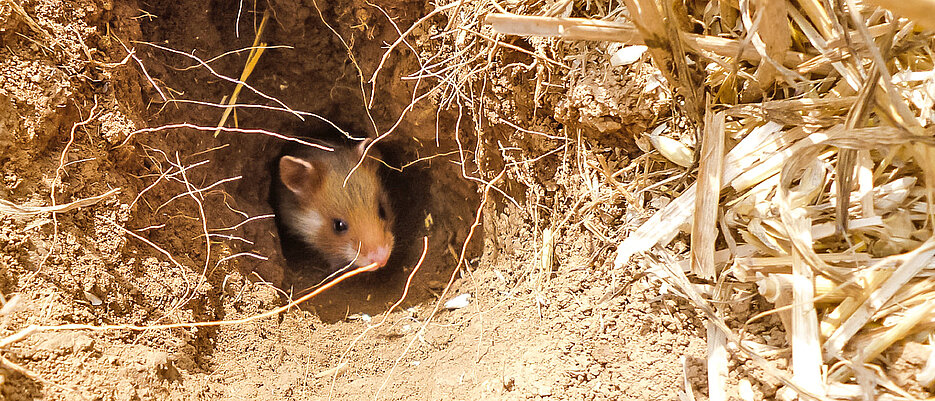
point(351, 254)
point(309, 222)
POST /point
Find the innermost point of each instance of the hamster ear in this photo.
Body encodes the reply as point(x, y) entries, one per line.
point(300, 176)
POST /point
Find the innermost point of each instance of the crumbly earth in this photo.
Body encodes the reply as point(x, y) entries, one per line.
point(84, 86)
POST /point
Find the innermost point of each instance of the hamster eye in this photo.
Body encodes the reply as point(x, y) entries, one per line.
point(339, 226)
point(381, 212)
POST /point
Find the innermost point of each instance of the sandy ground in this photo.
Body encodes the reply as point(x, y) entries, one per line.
point(79, 79)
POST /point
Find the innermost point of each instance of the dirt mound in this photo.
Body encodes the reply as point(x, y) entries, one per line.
point(113, 105)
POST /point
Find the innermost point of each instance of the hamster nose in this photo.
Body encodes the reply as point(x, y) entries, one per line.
point(379, 256)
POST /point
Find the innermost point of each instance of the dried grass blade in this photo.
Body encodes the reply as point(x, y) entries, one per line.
point(666, 266)
point(806, 347)
point(665, 222)
point(775, 36)
point(564, 28)
point(717, 363)
point(708, 188)
point(773, 285)
point(820, 42)
point(689, 393)
point(906, 324)
point(847, 158)
point(775, 161)
point(794, 218)
point(611, 31)
point(913, 263)
point(10, 208)
point(920, 11)
point(665, 47)
point(816, 12)
point(252, 59)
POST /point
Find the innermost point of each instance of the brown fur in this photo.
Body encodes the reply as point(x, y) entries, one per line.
point(313, 181)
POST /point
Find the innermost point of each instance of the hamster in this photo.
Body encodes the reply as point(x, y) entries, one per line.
point(348, 225)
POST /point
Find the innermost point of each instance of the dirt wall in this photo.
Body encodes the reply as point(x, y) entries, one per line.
point(101, 96)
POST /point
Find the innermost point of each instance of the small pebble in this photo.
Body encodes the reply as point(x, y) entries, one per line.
point(93, 299)
point(627, 55)
point(458, 302)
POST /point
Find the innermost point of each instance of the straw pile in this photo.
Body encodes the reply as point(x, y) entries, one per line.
point(813, 180)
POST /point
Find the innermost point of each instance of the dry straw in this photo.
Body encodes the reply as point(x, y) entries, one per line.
point(815, 179)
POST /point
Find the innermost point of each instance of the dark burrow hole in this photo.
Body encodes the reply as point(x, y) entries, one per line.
point(430, 198)
point(415, 205)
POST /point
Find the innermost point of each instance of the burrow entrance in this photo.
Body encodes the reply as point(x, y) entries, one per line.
point(309, 68)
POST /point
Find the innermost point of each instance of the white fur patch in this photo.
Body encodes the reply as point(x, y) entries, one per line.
point(306, 224)
point(351, 254)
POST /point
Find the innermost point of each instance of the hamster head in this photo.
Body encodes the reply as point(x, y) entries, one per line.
point(348, 223)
